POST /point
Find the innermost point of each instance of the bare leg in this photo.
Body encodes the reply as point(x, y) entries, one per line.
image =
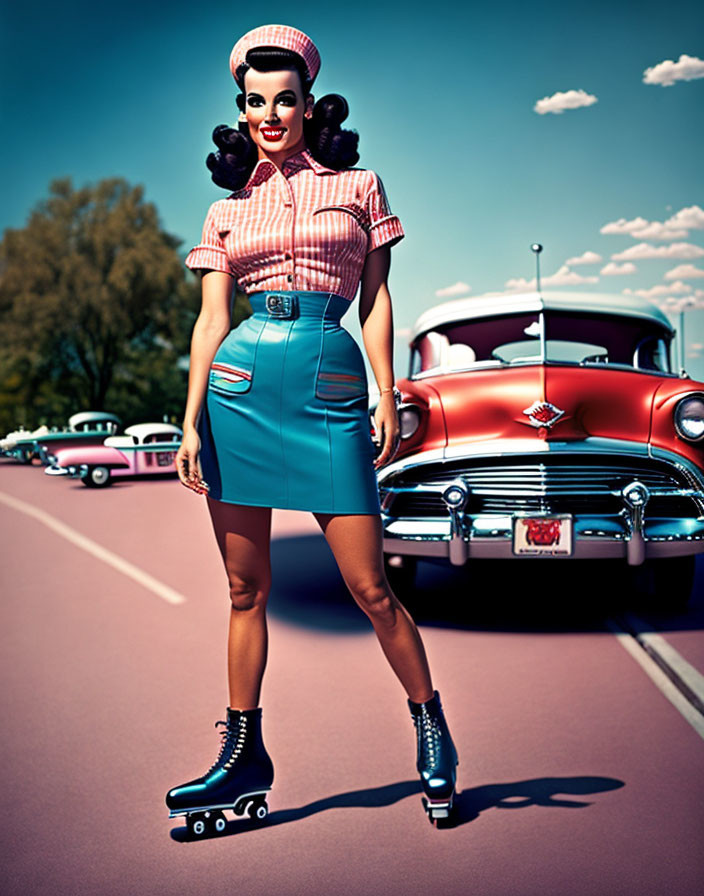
point(243, 534)
point(356, 542)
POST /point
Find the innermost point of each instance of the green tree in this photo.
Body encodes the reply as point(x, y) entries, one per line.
point(96, 308)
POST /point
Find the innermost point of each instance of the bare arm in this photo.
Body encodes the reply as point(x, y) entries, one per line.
point(211, 327)
point(376, 318)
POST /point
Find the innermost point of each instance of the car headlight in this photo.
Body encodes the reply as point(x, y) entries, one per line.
point(689, 418)
point(409, 420)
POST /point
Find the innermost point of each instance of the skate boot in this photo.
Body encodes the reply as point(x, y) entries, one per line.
point(437, 757)
point(239, 779)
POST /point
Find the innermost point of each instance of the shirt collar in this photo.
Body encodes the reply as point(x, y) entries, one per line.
point(302, 159)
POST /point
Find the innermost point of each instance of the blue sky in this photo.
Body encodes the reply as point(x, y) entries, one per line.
point(444, 101)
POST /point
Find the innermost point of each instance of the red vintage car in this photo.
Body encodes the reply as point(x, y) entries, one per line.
point(546, 425)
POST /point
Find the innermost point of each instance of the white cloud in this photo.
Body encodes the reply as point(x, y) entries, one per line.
point(563, 277)
point(675, 304)
point(457, 289)
point(684, 270)
point(624, 226)
point(692, 218)
point(585, 258)
point(665, 73)
point(558, 102)
point(645, 250)
point(657, 230)
point(662, 289)
point(612, 268)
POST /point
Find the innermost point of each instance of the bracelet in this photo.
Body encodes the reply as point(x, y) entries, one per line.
point(398, 398)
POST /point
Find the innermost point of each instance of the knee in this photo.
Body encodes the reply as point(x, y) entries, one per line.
point(377, 601)
point(248, 594)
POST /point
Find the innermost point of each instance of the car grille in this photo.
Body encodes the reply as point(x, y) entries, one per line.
point(559, 484)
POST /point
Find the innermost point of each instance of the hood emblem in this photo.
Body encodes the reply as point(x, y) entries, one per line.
point(542, 413)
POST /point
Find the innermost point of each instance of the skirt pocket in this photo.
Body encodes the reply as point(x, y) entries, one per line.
point(232, 370)
point(341, 374)
point(227, 379)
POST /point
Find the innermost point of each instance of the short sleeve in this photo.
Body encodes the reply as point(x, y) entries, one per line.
point(210, 253)
point(385, 227)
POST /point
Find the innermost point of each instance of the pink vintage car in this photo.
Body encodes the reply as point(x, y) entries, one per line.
point(143, 450)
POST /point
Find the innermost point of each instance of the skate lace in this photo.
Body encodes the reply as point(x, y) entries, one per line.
point(226, 739)
point(428, 738)
point(241, 738)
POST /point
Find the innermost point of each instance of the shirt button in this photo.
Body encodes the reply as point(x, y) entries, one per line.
point(289, 277)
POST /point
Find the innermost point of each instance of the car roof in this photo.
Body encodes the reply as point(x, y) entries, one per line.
point(92, 417)
point(520, 303)
point(144, 429)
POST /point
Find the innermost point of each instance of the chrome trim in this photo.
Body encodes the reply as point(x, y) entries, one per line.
point(491, 537)
point(457, 550)
point(537, 362)
point(508, 447)
point(630, 535)
point(636, 495)
point(684, 437)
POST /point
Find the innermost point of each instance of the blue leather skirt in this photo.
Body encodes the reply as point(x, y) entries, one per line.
point(285, 422)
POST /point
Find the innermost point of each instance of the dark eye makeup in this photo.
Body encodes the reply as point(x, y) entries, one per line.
point(286, 97)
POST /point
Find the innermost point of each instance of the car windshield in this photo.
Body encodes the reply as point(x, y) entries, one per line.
point(570, 338)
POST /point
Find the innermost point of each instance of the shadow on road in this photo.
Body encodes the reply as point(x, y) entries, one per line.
point(536, 595)
point(469, 804)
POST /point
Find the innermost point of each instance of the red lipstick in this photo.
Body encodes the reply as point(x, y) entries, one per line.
point(272, 133)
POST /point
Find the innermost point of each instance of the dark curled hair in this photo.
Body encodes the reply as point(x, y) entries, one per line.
point(327, 142)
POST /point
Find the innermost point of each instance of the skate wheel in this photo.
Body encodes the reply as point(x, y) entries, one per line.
point(219, 822)
point(197, 824)
point(258, 810)
point(439, 815)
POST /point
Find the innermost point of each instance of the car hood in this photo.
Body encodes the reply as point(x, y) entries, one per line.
point(493, 404)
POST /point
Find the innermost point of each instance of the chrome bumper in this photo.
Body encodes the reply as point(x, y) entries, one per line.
point(631, 534)
point(72, 471)
point(492, 538)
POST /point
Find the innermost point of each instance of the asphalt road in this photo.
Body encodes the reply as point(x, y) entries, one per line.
point(577, 775)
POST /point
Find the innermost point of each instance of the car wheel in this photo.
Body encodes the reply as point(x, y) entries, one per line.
point(401, 574)
point(97, 477)
point(666, 583)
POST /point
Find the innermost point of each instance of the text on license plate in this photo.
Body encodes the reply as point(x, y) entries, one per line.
point(545, 534)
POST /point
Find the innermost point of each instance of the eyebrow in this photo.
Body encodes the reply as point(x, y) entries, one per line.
point(280, 93)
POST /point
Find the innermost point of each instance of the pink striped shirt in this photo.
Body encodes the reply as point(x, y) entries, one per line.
point(305, 227)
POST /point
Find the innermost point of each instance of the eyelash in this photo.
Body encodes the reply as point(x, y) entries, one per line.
point(284, 100)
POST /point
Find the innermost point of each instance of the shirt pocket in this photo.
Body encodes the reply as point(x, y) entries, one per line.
point(345, 216)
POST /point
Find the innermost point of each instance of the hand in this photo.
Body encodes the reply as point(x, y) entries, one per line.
point(387, 426)
point(187, 463)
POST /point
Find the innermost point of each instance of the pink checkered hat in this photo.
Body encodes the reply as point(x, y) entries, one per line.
point(277, 36)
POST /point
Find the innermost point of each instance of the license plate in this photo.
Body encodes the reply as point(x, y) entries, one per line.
point(549, 533)
point(164, 458)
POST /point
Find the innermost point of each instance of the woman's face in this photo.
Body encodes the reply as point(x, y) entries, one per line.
point(274, 107)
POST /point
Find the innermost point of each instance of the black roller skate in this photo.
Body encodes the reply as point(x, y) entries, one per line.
point(239, 779)
point(437, 758)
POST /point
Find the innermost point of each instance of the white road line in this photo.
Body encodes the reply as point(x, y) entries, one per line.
point(689, 680)
point(96, 550)
point(658, 677)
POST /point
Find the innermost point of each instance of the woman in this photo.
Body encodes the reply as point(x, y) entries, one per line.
point(276, 414)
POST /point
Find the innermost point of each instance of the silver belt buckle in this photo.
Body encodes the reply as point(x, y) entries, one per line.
point(280, 304)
